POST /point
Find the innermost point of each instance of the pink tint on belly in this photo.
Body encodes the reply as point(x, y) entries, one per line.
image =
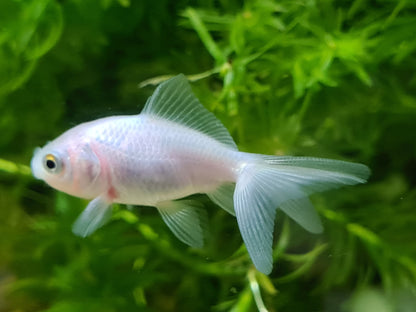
point(112, 193)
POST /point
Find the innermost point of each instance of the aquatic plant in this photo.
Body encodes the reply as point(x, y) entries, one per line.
point(319, 78)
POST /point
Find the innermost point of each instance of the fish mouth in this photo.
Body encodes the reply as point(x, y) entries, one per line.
point(35, 163)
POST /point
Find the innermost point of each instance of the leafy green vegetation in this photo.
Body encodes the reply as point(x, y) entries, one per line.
point(320, 78)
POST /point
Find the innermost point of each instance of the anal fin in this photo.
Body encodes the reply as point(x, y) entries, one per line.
point(223, 197)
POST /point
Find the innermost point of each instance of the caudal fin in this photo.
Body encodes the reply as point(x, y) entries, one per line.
point(285, 182)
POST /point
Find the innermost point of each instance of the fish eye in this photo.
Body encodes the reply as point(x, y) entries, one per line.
point(52, 164)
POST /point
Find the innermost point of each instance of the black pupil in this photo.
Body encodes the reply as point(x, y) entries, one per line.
point(50, 164)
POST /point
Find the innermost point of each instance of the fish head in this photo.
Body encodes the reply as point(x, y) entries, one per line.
point(69, 164)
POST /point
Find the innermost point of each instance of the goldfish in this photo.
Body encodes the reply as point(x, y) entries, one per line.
point(175, 148)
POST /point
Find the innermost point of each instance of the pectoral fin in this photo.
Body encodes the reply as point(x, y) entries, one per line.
point(97, 213)
point(186, 219)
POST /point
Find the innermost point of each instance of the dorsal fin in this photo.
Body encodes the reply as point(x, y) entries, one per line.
point(174, 100)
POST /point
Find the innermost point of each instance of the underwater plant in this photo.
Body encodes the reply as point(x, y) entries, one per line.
point(329, 79)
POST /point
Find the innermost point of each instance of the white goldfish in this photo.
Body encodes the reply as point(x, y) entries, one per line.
point(176, 148)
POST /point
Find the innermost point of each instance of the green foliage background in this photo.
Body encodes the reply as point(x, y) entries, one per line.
point(320, 78)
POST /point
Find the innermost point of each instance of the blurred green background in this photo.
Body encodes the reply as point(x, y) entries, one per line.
point(320, 78)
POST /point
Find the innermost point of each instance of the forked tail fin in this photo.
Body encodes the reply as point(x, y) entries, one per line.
point(285, 182)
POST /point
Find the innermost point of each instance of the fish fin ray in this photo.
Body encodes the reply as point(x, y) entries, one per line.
point(314, 175)
point(186, 219)
point(302, 212)
point(223, 197)
point(174, 100)
point(359, 172)
point(255, 209)
point(285, 182)
point(95, 215)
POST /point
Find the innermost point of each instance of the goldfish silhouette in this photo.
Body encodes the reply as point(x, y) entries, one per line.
point(176, 148)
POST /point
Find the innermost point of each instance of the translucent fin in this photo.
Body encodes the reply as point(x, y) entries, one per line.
point(174, 100)
point(223, 197)
point(285, 182)
point(255, 208)
point(186, 219)
point(303, 213)
point(97, 213)
point(315, 179)
point(359, 171)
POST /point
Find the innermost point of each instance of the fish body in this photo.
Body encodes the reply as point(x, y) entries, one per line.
point(144, 160)
point(176, 148)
